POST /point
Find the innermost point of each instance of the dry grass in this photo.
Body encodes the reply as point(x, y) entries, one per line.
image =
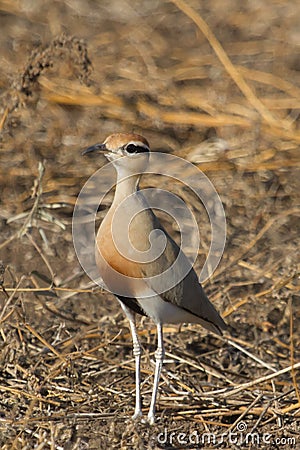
point(218, 88)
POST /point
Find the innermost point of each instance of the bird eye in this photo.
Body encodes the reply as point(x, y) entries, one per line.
point(132, 148)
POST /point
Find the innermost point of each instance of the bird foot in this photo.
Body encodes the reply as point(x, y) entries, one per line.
point(151, 419)
point(137, 415)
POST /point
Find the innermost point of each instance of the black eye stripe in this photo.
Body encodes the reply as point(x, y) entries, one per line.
point(132, 148)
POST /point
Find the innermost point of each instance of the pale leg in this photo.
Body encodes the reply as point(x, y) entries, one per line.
point(159, 357)
point(137, 355)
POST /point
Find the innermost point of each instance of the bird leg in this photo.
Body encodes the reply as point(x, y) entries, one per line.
point(137, 354)
point(159, 357)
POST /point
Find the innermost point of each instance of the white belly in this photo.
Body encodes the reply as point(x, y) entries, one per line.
point(161, 311)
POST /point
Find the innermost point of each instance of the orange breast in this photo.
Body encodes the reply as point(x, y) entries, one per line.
point(106, 250)
point(109, 259)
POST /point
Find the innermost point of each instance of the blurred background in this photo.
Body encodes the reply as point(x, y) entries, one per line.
point(215, 82)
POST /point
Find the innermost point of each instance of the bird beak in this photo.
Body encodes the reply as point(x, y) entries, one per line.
point(101, 148)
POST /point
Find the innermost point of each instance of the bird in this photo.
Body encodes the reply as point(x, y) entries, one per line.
point(136, 282)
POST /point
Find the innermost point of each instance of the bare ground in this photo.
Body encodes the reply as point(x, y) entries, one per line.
point(72, 73)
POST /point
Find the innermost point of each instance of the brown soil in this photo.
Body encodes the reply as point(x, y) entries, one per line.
point(72, 73)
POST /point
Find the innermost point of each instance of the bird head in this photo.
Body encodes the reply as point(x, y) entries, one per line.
point(127, 152)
